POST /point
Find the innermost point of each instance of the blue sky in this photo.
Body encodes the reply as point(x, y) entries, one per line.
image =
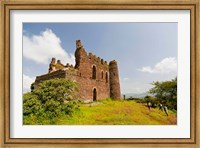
point(145, 52)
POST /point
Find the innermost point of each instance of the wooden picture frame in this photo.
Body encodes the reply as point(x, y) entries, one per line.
point(7, 5)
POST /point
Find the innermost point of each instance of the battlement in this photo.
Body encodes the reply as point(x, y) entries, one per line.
point(93, 57)
point(82, 58)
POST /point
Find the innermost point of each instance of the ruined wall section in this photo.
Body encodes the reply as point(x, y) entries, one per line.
point(56, 74)
point(53, 66)
point(56, 70)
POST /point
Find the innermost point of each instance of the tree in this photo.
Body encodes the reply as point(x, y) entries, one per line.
point(51, 99)
point(166, 92)
point(151, 99)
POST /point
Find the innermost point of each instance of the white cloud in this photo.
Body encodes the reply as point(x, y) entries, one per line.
point(167, 65)
point(27, 81)
point(41, 48)
point(125, 79)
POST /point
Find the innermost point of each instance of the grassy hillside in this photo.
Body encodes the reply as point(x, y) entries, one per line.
point(110, 112)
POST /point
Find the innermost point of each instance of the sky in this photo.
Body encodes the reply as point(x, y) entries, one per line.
point(145, 52)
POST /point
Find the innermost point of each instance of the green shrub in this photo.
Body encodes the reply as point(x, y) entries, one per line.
point(166, 92)
point(53, 98)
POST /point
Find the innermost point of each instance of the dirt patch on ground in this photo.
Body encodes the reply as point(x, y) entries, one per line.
point(172, 120)
point(92, 103)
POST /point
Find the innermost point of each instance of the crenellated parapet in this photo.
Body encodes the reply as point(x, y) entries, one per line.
point(82, 59)
point(91, 56)
point(94, 58)
point(69, 65)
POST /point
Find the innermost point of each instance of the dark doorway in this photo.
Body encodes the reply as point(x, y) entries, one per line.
point(94, 94)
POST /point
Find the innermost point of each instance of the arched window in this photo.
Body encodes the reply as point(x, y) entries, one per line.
point(94, 71)
point(106, 77)
point(102, 74)
point(94, 94)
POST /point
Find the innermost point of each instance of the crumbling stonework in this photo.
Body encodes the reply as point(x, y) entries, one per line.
point(97, 80)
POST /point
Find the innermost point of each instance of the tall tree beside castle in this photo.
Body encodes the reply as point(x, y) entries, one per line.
point(96, 78)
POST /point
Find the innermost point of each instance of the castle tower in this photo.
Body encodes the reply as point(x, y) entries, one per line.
point(80, 53)
point(114, 81)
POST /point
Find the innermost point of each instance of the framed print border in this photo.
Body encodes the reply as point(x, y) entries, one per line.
point(7, 6)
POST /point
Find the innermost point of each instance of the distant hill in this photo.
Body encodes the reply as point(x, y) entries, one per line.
point(136, 95)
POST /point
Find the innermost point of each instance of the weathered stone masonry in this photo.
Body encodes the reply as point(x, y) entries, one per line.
point(97, 80)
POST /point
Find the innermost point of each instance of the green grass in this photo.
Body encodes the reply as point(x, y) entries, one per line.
point(108, 112)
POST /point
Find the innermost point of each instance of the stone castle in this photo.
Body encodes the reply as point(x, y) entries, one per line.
point(96, 78)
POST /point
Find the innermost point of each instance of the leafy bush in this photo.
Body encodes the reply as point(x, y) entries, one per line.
point(154, 101)
point(166, 93)
point(52, 98)
point(31, 104)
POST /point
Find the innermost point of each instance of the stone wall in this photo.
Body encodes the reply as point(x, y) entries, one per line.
point(56, 74)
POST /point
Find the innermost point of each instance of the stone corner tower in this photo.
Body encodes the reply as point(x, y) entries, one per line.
point(114, 81)
point(80, 53)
